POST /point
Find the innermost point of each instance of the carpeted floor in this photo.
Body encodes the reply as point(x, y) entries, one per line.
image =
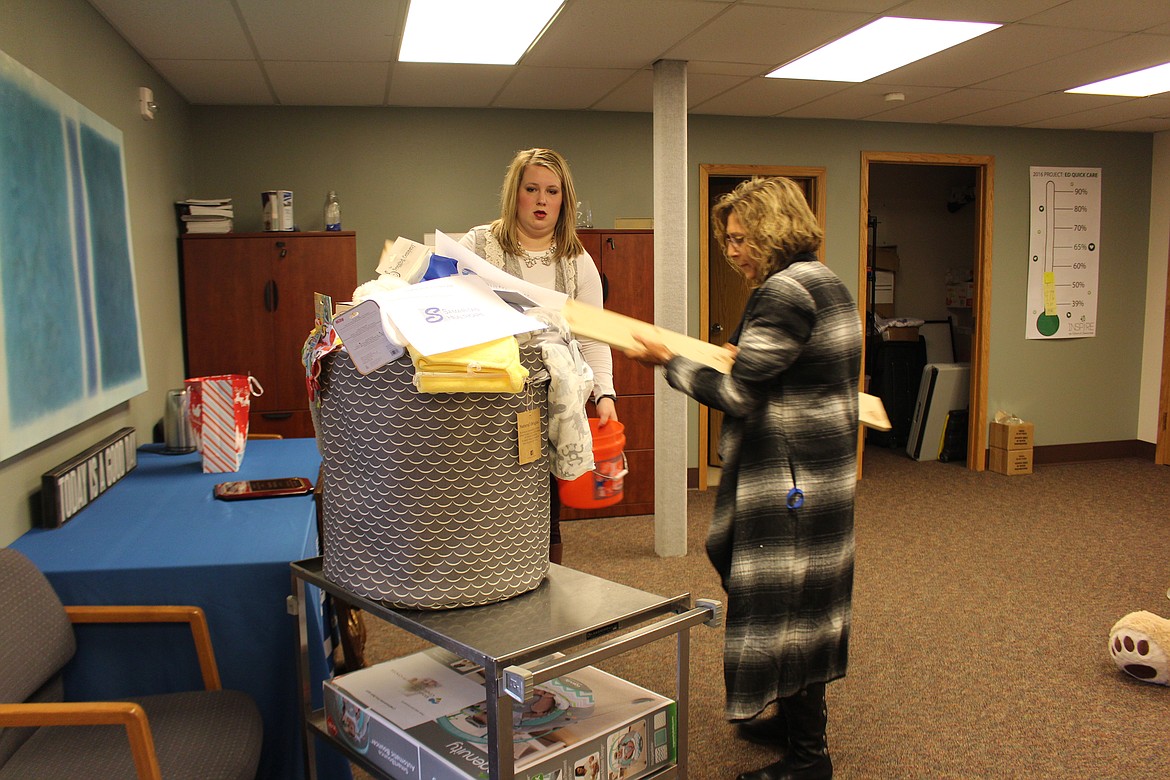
point(982, 607)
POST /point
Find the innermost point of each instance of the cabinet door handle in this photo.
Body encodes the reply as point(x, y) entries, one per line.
point(268, 295)
point(276, 415)
point(604, 288)
point(275, 296)
point(610, 242)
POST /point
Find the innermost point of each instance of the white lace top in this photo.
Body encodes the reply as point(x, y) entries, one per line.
point(577, 277)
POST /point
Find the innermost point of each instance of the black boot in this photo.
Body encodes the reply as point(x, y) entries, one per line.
point(767, 731)
point(808, 754)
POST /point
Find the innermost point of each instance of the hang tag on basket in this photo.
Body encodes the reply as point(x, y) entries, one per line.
point(528, 435)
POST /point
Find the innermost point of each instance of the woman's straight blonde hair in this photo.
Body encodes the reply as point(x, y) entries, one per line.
point(506, 228)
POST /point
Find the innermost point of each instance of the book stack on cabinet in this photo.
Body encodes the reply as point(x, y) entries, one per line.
point(625, 259)
point(248, 308)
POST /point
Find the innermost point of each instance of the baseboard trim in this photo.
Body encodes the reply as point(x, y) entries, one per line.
point(1094, 450)
point(1052, 454)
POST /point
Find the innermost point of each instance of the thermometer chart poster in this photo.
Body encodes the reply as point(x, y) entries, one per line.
point(1064, 251)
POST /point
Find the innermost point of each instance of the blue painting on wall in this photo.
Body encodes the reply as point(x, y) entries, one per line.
point(70, 336)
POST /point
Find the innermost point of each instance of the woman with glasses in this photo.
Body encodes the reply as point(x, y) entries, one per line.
point(781, 536)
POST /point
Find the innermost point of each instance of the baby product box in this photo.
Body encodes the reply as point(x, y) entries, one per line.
point(422, 717)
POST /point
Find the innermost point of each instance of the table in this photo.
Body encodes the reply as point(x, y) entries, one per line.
point(514, 641)
point(159, 537)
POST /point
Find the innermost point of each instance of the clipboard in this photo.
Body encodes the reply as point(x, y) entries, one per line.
point(618, 331)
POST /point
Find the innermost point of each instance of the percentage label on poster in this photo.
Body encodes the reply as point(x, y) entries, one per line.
point(1064, 250)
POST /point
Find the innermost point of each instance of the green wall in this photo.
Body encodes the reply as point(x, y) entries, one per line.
point(409, 171)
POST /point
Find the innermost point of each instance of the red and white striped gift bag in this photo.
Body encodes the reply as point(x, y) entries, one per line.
point(219, 416)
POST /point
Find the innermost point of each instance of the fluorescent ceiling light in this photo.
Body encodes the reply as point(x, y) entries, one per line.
point(1140, 83)
point(879, 47)
point(473, 31)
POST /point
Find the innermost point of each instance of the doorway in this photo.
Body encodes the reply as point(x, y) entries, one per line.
point(722, 291)
point(979, 198)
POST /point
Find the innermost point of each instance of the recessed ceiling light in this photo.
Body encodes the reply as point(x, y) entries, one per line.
point(473, 31)
point(879, 47)
point(1140, 83)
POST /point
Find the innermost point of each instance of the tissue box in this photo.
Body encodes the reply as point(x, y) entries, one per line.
point(422, 717)
point(1010, 462)
point(1011, 436)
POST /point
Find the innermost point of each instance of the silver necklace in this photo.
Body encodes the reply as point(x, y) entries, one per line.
point(546, 257)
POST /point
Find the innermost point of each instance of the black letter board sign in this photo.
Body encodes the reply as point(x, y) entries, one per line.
point(69, 488)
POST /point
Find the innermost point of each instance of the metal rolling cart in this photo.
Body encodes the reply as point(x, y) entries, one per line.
point(587, 617)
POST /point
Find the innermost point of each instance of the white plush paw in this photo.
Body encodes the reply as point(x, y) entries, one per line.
point(1140, 656)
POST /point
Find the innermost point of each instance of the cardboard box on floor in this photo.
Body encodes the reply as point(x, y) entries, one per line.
point(1010, 462)
point(422, 717)
point(1011, 435)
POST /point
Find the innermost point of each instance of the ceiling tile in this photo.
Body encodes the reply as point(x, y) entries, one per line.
point(948, 105)
point(446, 86)
point(559, 88)
point(337, 30)
point(999, 52)
point(328, 83)
point(217, 82)
point(856, 101)
point(1095, 15)
point(1073, 66)
point(178, 30)
point(767, 97)
point(768, 37)
point(627, 33)
point(1037, 109)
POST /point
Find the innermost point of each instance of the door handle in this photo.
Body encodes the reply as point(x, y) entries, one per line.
point(268, 295)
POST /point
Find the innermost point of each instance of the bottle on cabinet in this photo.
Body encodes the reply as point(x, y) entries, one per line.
point(332, 212)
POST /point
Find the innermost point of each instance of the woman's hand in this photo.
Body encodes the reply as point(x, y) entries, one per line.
point(651, 353)
point(606, 410)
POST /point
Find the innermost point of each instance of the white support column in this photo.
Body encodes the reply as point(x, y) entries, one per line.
point(670, 301)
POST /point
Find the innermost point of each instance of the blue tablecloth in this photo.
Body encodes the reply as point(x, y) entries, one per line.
point(159, 537)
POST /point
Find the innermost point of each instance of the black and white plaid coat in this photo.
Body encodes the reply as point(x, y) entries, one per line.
point(790, 406)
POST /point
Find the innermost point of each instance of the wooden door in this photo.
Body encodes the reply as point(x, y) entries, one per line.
point(225, 309)
point(727, 291)
point(302, 266)
point(625, 260)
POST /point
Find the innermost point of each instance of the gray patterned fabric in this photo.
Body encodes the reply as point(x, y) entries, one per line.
point(790, 406)
point(425, 504)
point(199, 735)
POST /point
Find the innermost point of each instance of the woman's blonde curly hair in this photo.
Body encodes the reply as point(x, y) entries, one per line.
point(777, 222)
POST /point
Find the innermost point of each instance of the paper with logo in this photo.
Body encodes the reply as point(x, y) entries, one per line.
point(471, 263)
point(446, 314)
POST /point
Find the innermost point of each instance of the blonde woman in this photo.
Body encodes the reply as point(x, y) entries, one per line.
point(535, 239)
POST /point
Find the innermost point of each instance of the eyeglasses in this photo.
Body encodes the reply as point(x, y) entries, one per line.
point(736, 241)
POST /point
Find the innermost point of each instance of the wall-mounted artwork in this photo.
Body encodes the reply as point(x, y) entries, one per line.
point(70, 336)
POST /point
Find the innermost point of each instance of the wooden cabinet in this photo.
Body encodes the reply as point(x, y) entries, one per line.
point(248, 308)
point(626, 261)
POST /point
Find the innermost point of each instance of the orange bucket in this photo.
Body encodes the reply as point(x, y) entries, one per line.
point(604, 485)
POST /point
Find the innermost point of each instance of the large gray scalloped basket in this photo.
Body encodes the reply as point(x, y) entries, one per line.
point(425, 504)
